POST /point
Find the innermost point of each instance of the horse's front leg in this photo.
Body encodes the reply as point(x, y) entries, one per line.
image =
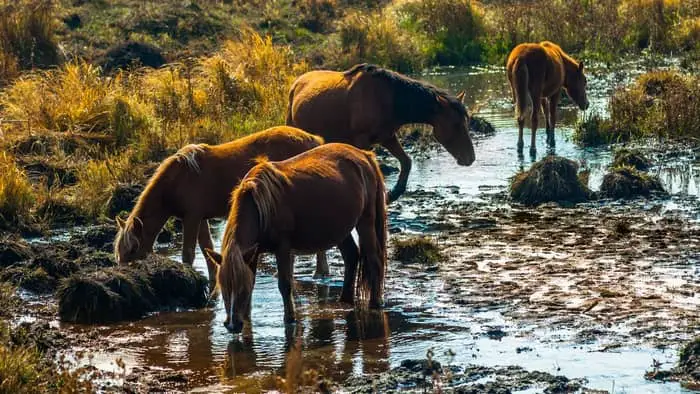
point(205, 242)
point(285, 278)
point(394, 147)
point(190, 232)
point(351, 256)
point(552, 119)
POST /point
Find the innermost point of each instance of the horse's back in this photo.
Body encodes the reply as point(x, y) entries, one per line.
point(319, 103)
point(337, 173)
point(543, 62)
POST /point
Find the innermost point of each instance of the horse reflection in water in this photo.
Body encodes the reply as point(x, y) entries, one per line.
point(315, 357)
point(186, 345)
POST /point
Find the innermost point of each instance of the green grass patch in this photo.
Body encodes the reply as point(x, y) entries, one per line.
point(417, 250)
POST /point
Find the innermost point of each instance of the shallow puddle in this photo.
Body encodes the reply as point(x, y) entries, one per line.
point(557, 324)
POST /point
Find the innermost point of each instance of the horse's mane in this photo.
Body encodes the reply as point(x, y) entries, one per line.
point(264, 184)
point(411, 96)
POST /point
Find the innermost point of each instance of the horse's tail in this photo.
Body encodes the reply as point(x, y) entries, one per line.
point(265, 183)
point(368, 274)
point(290, 121)
point(523, 101)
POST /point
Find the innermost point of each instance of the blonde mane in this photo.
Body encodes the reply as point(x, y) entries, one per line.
point(188, 155)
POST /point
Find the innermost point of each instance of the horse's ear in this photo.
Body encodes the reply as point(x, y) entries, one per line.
point(580, 66)
point(213, 257)
point(460, 96)
point(120, 222)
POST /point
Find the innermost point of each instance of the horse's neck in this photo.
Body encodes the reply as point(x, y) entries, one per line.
point(152, 215)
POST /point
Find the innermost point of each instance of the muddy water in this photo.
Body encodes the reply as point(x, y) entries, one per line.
point(556, 290)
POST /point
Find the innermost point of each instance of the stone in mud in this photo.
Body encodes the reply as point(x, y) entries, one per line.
point(687, 371)
point(128, 293)
point(123, 198)
point(627, 182)
point(552, 179)
point(13, 250)
point(481, 125)
point(416, 250)
point(631, 158)
point(99, 237)
point(129, 54)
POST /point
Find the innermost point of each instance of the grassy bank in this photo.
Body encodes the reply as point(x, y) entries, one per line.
point(101, 130)
point(659, 104)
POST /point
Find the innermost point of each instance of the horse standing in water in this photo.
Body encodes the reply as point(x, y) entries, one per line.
point(537, 73)
point(367, 105)
point(195, 184)
point(283, 207)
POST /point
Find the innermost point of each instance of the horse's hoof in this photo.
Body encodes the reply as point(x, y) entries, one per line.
point(533, 152)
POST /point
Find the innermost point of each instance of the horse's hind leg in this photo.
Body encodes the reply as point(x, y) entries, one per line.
point(351, 256)
point(535, 116)
point(205, 242)
point(322, 270)
point(371, 270)
point(394, 147)
point(285, 277)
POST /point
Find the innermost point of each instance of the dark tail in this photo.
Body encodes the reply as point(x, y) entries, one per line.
point(290, 122)
point(368, 274)
point(523, 101)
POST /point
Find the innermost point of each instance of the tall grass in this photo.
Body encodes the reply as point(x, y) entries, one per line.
point(16, 194)
point(132, 118)
point(27, 36)
point(659, 104)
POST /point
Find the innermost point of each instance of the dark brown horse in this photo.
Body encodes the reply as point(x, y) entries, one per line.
point(537, 73)
point(305, 204)
point(195, 184)
point(367, 105)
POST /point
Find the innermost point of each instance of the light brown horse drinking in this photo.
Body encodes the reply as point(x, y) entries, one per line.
point(537, 73)
point(367, 105)
point(195, 184)
point(305, 204)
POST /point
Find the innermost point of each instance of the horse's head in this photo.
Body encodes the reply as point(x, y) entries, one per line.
point(235, 281)
point(575, 85)
point(129, 245)
point(451, 129)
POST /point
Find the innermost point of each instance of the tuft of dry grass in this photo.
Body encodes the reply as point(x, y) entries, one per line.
point(16, 193)
point(417, 250)
point(552, 179)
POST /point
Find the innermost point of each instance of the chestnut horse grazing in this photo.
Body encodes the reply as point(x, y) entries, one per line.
point(367, 105)
point(306, 204)
point(195, 184)
point(537, 73)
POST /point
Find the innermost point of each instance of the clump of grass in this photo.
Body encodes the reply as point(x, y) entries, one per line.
point(631, 158)
point(552, 179)
point(593, 130)
point(417, 250)
point(16, 193)
point(127, 293)
point(628, 182)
